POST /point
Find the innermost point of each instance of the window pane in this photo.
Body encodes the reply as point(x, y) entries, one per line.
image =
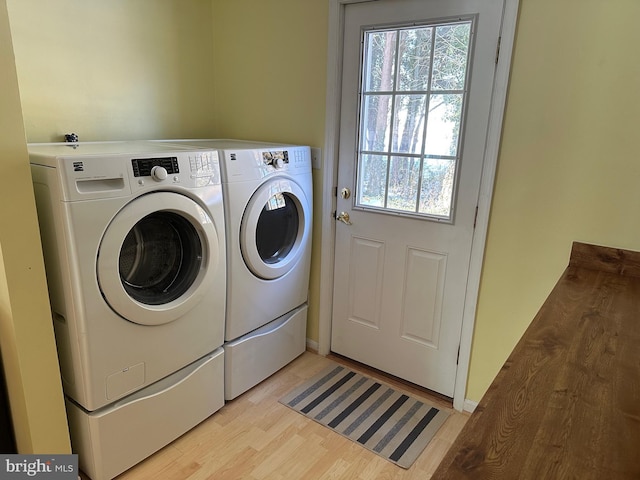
point(376, 123)
point(412, 96)
point(415, 57)
point(450, 56)
point(443, 124)
point(408, 124)
point(404, 174)
point(437, 186)
point(380, 61)
point(373, 180)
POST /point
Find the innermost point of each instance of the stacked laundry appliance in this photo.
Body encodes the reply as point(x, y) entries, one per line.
point(134, 240)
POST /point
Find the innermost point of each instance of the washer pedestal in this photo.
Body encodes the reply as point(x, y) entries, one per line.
point(111, 440)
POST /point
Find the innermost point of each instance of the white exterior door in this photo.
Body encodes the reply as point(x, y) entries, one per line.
point(416, 95)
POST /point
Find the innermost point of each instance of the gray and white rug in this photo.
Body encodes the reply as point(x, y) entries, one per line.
point(388, 422)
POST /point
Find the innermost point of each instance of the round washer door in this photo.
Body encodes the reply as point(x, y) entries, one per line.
point(275, 228)
point(157, 258)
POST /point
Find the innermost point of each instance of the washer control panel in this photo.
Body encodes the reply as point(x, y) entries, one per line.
point(187, 169)
point(146, 167)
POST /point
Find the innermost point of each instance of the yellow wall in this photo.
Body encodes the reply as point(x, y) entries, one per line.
point(26, 331)
point(252, 69)
point(116, 69)
point(568, 168)
point(270, 61)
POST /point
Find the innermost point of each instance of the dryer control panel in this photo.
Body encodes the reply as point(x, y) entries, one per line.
point(277, 159)
point(253, 164)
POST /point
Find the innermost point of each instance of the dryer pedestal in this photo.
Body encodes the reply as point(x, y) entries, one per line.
point(259, 354)
point(118, 436)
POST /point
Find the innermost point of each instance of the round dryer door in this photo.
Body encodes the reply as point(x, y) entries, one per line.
point(157, 258)
point(275, 228)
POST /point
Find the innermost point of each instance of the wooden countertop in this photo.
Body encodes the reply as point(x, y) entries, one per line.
point(566, 404)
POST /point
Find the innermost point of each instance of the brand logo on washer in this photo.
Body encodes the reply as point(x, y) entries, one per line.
point(78, 167)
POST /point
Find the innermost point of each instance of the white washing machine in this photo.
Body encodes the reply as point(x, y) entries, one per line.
point(133, 236)
point(268, 204)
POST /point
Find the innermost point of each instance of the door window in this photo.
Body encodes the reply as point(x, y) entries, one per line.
point(411, 108)
point(160, 258)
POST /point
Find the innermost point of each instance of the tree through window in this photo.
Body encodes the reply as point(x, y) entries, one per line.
point(411, 107)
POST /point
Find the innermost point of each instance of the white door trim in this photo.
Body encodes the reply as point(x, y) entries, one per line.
point(330, 170)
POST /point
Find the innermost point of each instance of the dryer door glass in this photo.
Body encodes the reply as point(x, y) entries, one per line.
point(277, 228)
point(160, 258)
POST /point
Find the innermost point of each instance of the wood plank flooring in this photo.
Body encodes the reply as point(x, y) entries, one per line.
point(566, 403)
point(256, 438)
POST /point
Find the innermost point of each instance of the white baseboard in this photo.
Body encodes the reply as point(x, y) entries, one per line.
point(312, 345)
point(469, 405)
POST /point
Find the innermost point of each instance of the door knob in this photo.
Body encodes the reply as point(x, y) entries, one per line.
point(344, 218)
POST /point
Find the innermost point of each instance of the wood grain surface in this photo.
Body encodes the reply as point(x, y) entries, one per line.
point(254, 437)
point(566, 404)
point(606, 259)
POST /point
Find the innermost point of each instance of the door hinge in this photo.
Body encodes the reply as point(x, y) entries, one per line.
point(458, 356)
point(498, 49)
point(475, 217)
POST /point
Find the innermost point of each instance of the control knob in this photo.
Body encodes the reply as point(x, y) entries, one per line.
point(158, 173)
point(277, 163)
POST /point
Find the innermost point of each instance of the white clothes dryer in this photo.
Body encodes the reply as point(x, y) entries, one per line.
point(134, 242)
point(268, 191)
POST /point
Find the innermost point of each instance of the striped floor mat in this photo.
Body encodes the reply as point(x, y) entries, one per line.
point(390, 423)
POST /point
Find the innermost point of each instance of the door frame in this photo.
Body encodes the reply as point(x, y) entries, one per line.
point(330, 172)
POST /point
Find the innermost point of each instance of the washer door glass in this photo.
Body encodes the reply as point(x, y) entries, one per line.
point(275, 228)
point(158, 258)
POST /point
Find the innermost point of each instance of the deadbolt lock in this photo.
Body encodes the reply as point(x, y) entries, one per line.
point(345, 193)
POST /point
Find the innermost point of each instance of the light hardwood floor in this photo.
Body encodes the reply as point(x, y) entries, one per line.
point(256, 438)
